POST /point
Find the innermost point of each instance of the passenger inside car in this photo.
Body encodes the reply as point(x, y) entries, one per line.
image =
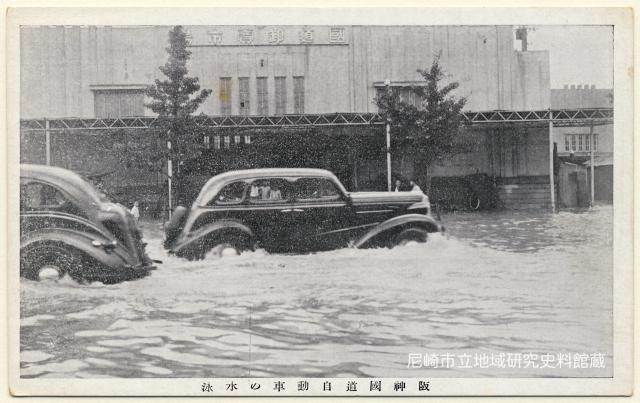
point(232, 193)
point(255, 191)
point(265, 189)
point(275, 194)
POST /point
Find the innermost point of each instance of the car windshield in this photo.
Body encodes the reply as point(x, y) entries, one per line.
point(94, 190)
point(98, 193)
point(232, 193)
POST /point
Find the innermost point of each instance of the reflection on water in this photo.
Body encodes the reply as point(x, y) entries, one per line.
point(498, 282)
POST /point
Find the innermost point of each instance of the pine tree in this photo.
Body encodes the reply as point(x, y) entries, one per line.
point(430, 130)
point(174, 99)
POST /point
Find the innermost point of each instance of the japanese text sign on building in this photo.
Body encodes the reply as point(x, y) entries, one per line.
point(245, 36)
point(306, 35)
point(215, 37)
point(275, 36)
point(188, 35)
point(336, 35)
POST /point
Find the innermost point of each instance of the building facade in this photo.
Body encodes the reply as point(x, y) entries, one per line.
point(102, 71)
point(267, 70)
point(575, 144)
point(577, 140)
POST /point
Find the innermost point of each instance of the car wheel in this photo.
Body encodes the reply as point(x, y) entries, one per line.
point(50, 262)
point(410, 236)
point(230, 245)
point(474, 202)
point(225, 250)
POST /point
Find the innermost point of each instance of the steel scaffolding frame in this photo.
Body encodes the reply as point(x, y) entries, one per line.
point(559, 117)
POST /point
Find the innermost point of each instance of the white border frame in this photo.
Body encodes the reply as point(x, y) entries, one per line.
point(621, 18)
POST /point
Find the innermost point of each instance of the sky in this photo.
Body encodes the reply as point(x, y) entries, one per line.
point(577, 54)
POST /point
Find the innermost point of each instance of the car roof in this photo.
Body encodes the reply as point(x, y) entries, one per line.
point(66, 179)
point(270, 172)
point(214, 184)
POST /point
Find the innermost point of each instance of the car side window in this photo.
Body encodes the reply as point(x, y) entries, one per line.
point(316, 189)
point(39, 196)
point(232, 193)
point(272, 190)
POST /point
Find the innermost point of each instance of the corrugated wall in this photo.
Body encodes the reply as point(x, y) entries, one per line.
point(59, 64)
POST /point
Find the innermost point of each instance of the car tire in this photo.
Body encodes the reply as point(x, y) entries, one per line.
point(216, 247)
point(409, 235)
point(225, 249)
point(51, 258)
point(474, 202)
point(233, 244)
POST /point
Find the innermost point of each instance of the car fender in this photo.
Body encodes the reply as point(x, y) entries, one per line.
point(420, 220)
point(207, 230)
point(116, 258)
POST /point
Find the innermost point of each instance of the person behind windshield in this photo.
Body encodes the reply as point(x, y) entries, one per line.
point(414, 187)
point(275, 194)
point(265, 189)
point(255, 191)
point(398, 185)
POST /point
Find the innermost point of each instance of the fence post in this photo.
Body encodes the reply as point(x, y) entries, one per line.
point(388, 135)
point(47, 142)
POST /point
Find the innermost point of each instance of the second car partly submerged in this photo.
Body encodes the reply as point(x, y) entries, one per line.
point(294, 210)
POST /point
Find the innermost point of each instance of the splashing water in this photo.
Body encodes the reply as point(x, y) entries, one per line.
point(497, 282)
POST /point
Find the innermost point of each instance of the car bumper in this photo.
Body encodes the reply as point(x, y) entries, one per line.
point(122, 273)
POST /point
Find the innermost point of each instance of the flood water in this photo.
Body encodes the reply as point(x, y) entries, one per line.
point(509, 282)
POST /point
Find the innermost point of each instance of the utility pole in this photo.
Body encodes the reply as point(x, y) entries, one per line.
point(169, 176)
point(387, 84)
point(551, 178)
point(591, 142)
point(388, 157)
point(47, 142)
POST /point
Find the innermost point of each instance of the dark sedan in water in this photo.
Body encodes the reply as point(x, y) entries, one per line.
point(69, 227)
point(294, 210)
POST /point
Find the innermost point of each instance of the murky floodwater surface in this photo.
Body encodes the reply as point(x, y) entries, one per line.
point(496, 283)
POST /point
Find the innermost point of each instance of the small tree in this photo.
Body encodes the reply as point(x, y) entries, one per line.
point(172, 99)
point(430, 130)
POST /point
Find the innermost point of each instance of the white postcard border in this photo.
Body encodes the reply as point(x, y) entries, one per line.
point(620, 384)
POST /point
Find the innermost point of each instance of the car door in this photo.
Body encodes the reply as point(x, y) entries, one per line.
point(268, 211)
point(321, 214)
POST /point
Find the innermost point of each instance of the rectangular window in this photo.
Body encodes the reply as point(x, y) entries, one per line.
point(243, 95)
point(225, 95)
point(580, 142)
point(118, 103)
point(216, 142)
point(227, 141)
point(567, 145)
point(263, 96)
point(247, 139)
point(407, 95)
point(281, 95)
point(236, 139)
point(573, 142)
point(595, 142)
point(587, 142)
point(207, 144)
point(298, 94)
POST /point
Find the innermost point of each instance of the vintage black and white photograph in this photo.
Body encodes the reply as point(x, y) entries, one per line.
point(312, 208)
